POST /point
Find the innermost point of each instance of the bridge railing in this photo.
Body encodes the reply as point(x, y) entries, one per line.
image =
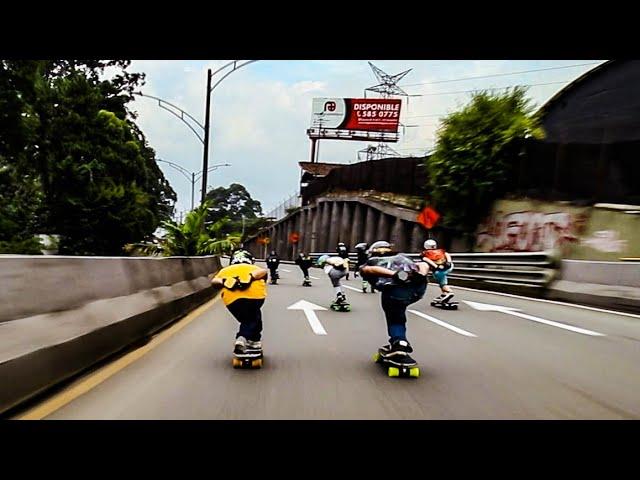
point(528, 269)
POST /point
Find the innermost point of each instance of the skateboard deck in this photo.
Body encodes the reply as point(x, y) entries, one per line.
point(445, 306)
point(251, 359)
point(396, 369)
point(340, 307)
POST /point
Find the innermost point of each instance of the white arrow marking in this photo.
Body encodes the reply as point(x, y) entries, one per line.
point(485, 307)
point(352, 288)
point(285, 270)
point(308, 309)
point(443, 324)
point(315, 278)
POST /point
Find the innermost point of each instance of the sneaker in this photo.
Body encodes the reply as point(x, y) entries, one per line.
point(341, 298)
point(447, 298)
point(254, 345)
point(240, 346)
point(401, 347)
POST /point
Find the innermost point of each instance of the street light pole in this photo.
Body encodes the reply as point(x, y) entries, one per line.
point(193, 187)
point(205, 158)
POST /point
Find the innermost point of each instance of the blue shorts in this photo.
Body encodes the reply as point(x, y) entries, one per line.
point(440, 276)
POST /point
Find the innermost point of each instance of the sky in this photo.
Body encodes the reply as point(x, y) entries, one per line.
point(260, 113)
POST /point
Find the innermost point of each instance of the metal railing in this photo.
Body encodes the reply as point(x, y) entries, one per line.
point(528, 269)
point(281, 210)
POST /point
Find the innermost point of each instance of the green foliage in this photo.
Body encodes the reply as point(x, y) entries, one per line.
point(475, 151)
point(228, 205)
point(71, 146)
point(193, 238)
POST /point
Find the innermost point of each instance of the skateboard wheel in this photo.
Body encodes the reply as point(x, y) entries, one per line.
point(376, 357)
point(414, 372)
point(394, 372)
point(257, 363)
point(236, 363)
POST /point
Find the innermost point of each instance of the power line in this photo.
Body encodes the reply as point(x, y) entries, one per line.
point(494, 88)
point(500, 74)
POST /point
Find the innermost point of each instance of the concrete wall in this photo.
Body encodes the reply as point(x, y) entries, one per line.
point(343, 218)
point(601, 232)
point(60, 315)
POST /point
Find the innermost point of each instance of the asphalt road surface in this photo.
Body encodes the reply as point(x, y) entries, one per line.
point(497, 357)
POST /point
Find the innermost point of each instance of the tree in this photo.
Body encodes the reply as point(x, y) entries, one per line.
point(228, 205)
point(190, 238)
point(99, 185)
point(475, 151)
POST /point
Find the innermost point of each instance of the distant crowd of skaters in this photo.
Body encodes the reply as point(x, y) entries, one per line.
point(400, 280)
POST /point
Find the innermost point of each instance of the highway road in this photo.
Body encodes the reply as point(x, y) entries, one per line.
point(497, 357)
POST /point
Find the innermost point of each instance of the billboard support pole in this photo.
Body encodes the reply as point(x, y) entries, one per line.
point(313, 150)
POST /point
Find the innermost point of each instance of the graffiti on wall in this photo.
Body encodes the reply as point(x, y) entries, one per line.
point(529, 231)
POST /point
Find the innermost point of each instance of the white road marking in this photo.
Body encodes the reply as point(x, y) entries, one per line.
point(485, 307)
point(285, 270)
point(550, 301)
point(308, 309)
point(315, 278)
point(443, 324)
point(352, 288)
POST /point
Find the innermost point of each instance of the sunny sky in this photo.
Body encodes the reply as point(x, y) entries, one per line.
point(260, 113)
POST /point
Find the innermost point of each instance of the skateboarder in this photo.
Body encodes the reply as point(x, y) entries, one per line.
point(244, 291)
point(441, 265)
point(402, 282)
point(304, 262)
point(336, 269)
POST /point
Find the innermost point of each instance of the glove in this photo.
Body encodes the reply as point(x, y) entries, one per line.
point(243, 285)
point(230, 283)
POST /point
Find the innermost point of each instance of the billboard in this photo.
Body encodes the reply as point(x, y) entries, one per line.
point(356, 114)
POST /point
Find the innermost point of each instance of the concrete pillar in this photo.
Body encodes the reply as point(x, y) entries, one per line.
point(308, 230)
point(371, 225)
point(346, 224)
point(356, 226)
point(418, 236)
point(334, 226)
point(315, 222)
point(288, 249)
point(323, 233)
point(398, 235)
point(383, 226)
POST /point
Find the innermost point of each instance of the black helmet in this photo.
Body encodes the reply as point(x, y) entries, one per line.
point(380, 248)
point(361, 246)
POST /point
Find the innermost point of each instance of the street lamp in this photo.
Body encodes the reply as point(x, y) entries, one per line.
point(235, 65)
point(193, 177)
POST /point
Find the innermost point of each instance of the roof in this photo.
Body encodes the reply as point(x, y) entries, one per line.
point(319, 169)
point(578, 81)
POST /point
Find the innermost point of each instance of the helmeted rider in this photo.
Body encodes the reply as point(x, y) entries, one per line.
point(343, 252)
point(441, 265)
point(273, 261)
point(244, 292)
point(305, 262)
point(401, 282)
point(336, 268)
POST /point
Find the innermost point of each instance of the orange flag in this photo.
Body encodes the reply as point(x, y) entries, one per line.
point(428, 217)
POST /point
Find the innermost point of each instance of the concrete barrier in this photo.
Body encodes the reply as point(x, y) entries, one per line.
point(61, 315)
point(614, 285)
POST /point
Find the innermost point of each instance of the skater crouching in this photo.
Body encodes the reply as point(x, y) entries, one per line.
point(304, 262)
point(273, 262)
point(401, 283)
point(336, 268)
point(244, 290)
point(441, 265)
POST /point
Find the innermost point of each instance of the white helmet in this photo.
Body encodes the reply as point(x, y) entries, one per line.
point(430, 244)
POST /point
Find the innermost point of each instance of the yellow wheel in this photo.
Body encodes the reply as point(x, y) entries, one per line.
point(257, 363)
point(376, 357)
point(414, 372)
point(394, 372)
point(236, 363)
